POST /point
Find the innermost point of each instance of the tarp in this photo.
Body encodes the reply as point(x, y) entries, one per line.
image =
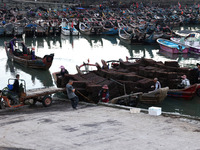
point(80, 8)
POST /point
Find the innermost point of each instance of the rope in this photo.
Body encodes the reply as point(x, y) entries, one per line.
point(84, 96)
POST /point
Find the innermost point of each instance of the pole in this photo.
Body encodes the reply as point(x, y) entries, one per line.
point(120, 84)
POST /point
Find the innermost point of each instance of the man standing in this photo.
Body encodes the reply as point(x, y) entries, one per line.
point(16, 85)
point(71, 94)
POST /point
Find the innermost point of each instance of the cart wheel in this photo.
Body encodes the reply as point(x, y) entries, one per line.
point(198, 92)
point(47, 101)
point(2, 104)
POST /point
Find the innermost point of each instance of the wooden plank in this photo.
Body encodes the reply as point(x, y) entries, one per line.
point(42, 92)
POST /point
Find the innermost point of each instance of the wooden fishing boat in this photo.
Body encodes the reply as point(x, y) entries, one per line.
point(187, 93)
point(69, 30)
point(192, 41)
point(172, 47)
point(30, 29)
point(18, 29)
point(154, 97)
point(26, 59)
point(125, 36)
point(85, 28)
point(109, 28)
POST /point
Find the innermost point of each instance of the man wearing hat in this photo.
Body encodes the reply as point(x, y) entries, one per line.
point(185, 82)
point(104, 94)
point(63, 71)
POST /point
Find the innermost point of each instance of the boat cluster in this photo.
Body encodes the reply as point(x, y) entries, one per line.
point(133, 25)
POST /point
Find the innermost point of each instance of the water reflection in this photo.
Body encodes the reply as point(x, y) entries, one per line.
point(138, 51)
point(71, 39)
point(111, 39)
point(177, 57)
point(94, 41)
point(44, 76)
point(40, 42)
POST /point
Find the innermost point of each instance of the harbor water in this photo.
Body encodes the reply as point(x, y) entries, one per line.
point(71, 51)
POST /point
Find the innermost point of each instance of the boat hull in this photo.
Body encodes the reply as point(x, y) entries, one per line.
point(187, 93)
point(172, 47)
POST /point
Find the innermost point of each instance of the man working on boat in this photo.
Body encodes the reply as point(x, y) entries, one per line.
point(157, 84)
point(185, 82)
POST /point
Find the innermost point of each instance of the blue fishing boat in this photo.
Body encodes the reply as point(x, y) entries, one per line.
point(172, 47)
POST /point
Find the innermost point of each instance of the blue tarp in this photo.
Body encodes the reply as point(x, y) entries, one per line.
point(31, 25)
point(80, 8)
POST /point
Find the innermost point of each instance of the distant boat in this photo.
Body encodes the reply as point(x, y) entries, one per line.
point(172, 47)
point(30, 29)
point(85, 28)
point(18, 29)
point(125, 36)
point(109, 28)
point(69, 30)
point(9, 29)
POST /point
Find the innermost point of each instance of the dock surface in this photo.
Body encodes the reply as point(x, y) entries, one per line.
point(93, 127)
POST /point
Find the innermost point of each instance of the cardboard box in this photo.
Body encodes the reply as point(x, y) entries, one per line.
point(156, 111)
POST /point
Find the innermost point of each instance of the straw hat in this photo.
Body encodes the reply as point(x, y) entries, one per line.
point(105, 87)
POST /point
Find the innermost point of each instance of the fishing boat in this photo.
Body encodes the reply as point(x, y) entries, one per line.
point(184, 33)
point(109, 28)
point(154, 97)
point(30, 29)
point(187, 93)
point(135, 37)
point(172, 47)
point(85, 28)
point(69, 30)
point(192, 41)
point(125, 36)
point(26, 59)
point(18, 29)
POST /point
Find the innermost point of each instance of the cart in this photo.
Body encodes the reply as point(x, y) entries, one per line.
point(11, 99)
